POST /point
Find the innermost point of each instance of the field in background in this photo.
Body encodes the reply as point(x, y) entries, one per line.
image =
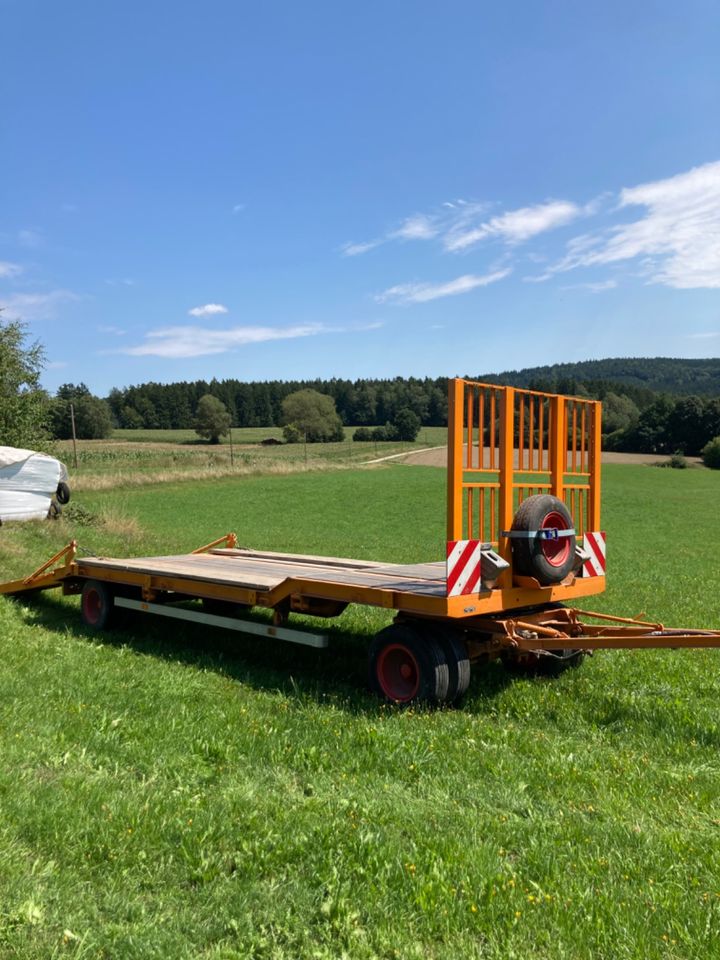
point(184, 793)
point(142, 456)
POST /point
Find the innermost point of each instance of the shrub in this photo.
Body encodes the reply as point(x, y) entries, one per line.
point(407, 424)
point(388, 432)
point(711, 454)
point(677, 462)
point(363, 434)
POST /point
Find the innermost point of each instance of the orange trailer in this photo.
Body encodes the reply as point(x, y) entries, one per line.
point(524, 545)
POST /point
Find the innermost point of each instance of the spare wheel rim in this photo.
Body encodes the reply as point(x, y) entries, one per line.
point(398, 673)
point(556, 552)
point(92, 606)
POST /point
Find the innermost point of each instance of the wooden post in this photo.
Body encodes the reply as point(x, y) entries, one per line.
point(74, 438)
point(232, 455)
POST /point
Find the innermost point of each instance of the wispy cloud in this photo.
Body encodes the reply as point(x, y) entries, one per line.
point(592, 287)
point(424, 292)
point(112, 331)
point(182, 342)
point(238, 208)
point(514, 226)
point(37, 306)
point(709, 335)
point(191, 341)
point(461, 224)
point(419, 227)
point(56, 364)
point(124, 282)
point(355, 249)
point(678, 238)
point(208, 310)
point(9, 270)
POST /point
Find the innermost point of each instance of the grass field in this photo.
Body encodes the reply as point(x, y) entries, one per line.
point(139, 457)
point(173, 794)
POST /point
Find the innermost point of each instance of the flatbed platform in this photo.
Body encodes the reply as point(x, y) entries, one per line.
point(253, 570)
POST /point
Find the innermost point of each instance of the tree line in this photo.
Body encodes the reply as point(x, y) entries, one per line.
point(635, 417)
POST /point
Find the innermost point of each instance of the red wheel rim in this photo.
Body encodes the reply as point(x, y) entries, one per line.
point(557, 551)
point(92, 606)
point(398, 673)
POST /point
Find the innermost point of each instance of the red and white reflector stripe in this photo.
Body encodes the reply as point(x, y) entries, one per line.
point(594, 544)
point(463, 567)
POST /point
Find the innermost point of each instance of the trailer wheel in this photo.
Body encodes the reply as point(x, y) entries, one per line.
point(549, 561)
point(406, 665)
point(458, 665)
point(97, 605)
point(63, 493)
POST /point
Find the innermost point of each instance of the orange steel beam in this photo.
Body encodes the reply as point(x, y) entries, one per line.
point(558, 446)
point(455, 461)
point(593, 519)
point(506, 476)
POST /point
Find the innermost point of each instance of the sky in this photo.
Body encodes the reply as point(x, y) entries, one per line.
point(292, 191)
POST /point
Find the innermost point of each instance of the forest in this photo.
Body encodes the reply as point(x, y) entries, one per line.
point(651, 405)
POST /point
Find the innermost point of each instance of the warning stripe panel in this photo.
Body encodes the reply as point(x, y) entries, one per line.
point(463, 567)
point(595, 547)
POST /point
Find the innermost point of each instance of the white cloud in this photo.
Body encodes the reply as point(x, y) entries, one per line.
point(423, 292)
point(710, 335)
point(515, 226)
point(238, 208)
point(419, 227)
point(125, 282)
point(56, 364)
point(354, 249)
point(679, 236)
point(208, 310)
point(190, 341)
point(36, 306)
point(9, 270)
point(462, 223)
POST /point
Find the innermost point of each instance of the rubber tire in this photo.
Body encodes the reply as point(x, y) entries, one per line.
point(458, 663)
point(54, 511)
point(62, 493)
point(428, 656)
point(529, 559)
point(97, 605)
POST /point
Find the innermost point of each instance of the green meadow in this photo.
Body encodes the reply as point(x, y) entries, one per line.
point(171, 792)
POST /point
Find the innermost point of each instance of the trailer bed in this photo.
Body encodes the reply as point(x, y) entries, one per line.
point(257, 571)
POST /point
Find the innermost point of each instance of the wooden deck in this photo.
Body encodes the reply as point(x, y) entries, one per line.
point(253, 570)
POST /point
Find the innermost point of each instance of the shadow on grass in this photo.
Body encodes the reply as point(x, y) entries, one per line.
point(337, 674)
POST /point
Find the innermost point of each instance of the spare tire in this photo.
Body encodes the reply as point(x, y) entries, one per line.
point(63, 493)
point(548, 560)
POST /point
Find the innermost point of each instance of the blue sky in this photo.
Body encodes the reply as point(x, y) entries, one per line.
point(285, 190)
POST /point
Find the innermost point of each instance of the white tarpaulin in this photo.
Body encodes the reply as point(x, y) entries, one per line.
point(28, 482)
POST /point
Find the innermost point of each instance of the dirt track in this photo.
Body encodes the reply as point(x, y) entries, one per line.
point(437, 457)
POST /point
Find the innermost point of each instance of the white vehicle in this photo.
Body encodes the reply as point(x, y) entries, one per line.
point(32, 485)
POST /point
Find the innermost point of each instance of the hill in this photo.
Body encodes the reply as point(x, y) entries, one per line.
point(671, 375)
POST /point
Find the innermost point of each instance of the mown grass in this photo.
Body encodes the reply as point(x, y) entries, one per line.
point(168, 793)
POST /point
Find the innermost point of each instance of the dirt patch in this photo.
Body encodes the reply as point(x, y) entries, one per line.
point(437, 457)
